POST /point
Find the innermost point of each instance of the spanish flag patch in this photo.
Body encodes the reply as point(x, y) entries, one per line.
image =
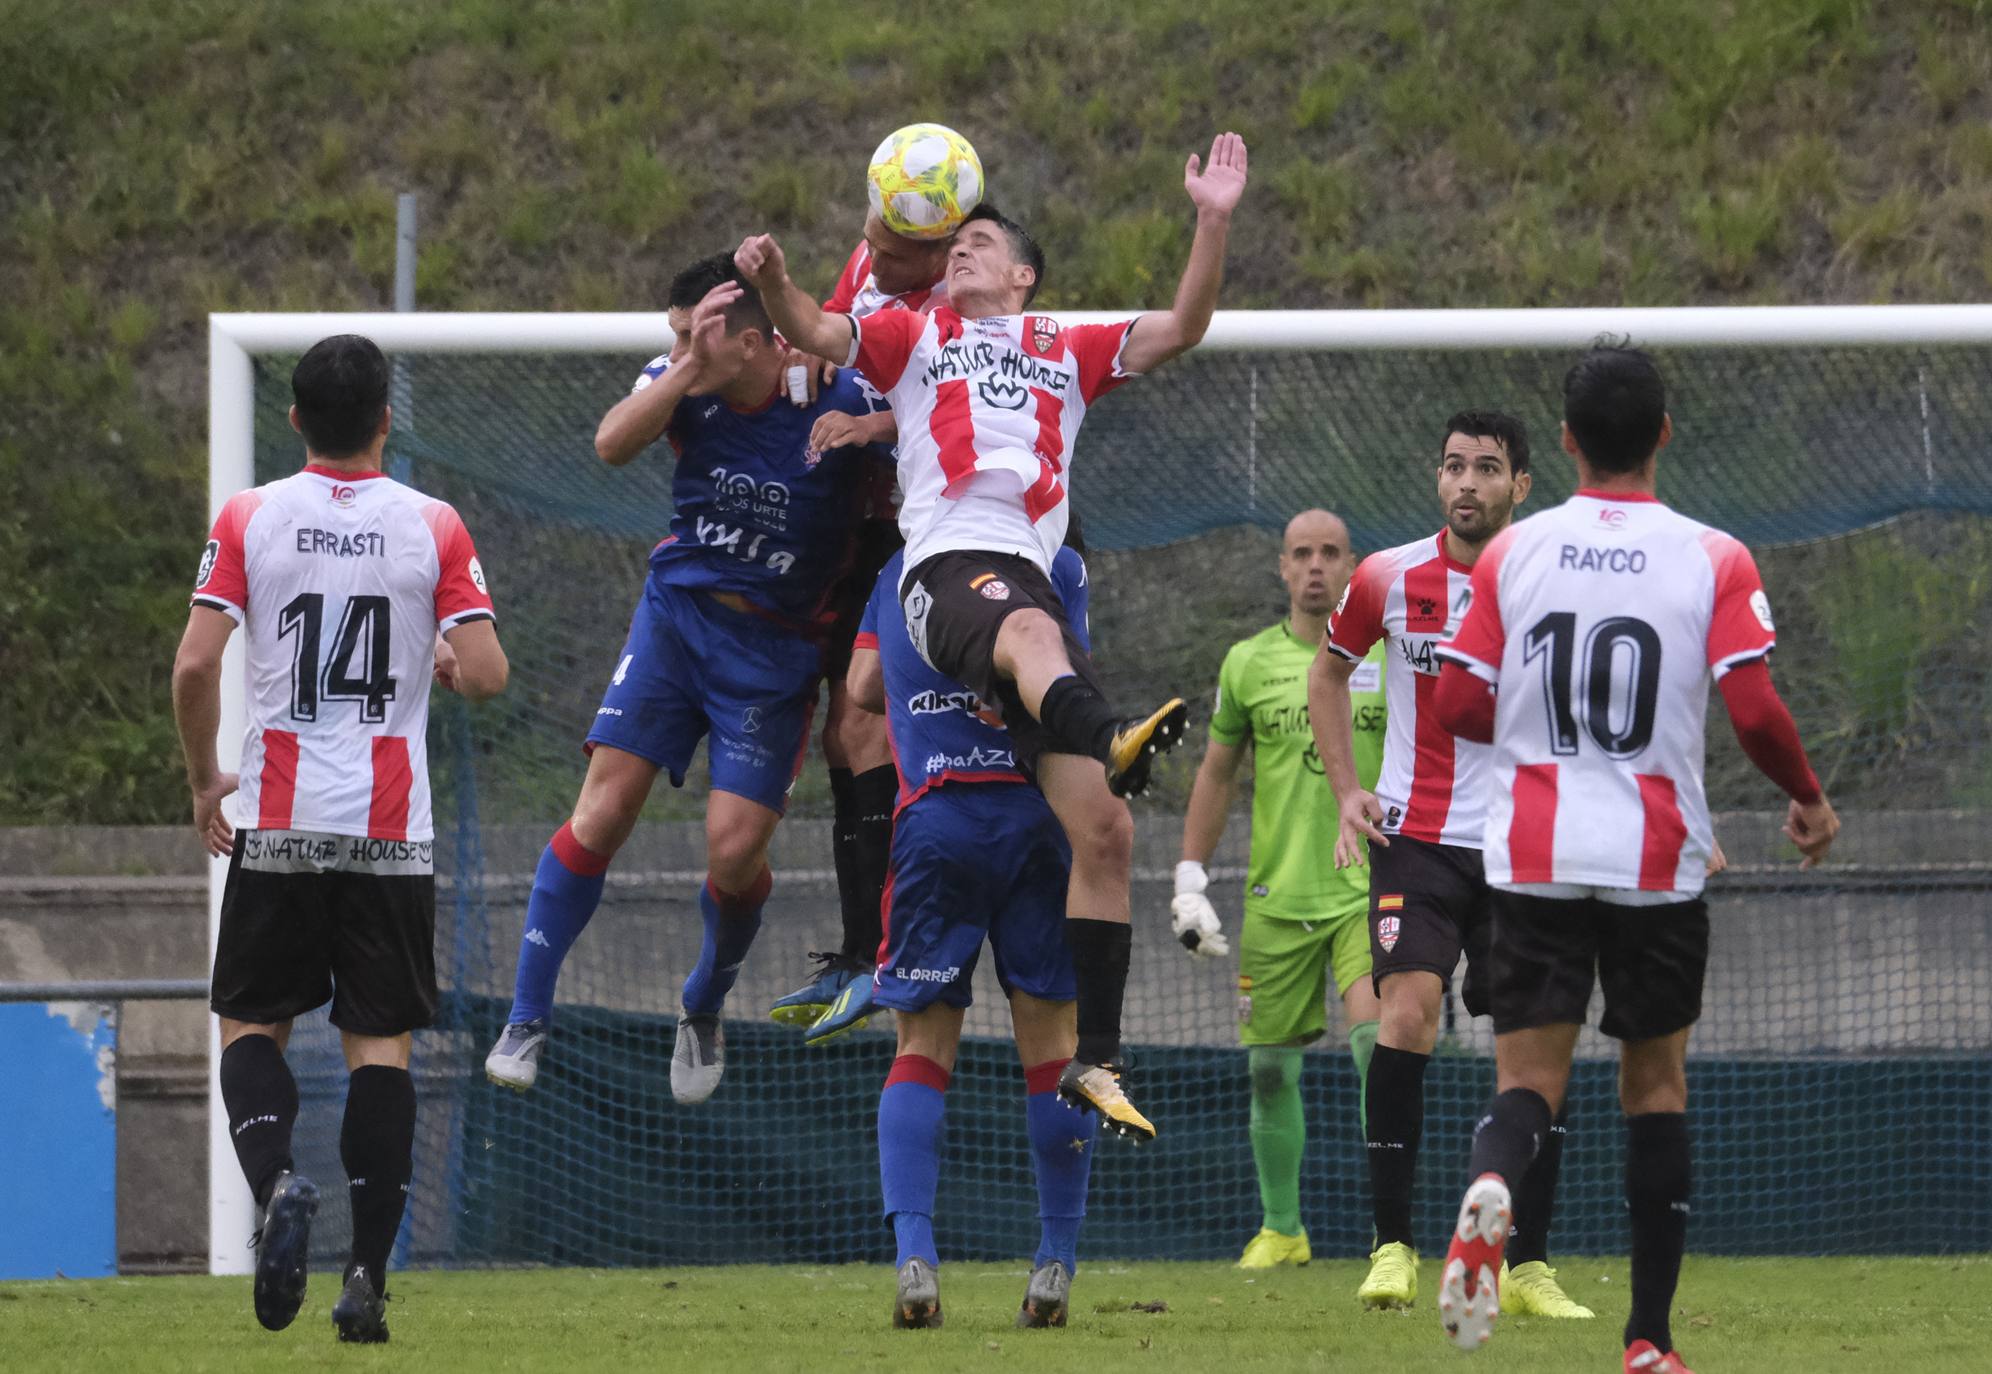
point(975, 584)
point(1392, 901)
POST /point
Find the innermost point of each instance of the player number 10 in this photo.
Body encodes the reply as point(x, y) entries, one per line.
point(1568, 684)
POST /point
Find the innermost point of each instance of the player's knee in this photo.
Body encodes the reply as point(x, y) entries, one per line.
point(1647, 1086)
point(1410, 1013)
point(734, 861)
point(1103, 839)
point(1269, 1080)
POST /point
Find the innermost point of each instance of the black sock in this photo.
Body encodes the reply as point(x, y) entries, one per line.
point(1535, 1200)
point(377, 1146)
point(1100, 954)
point(1657, 1177)
point(1395, 1100)
point(261, 1097)
point(1078, 717)
point(844, 852)
point(873, 795)
point(1508, 1135)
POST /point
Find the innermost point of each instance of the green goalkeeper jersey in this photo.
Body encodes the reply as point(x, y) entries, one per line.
point(1262, 695)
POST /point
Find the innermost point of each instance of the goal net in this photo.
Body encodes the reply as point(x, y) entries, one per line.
point(1841, 1086)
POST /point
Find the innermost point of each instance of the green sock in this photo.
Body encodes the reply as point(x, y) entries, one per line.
point(1362, 1044)
point(1279, 1133)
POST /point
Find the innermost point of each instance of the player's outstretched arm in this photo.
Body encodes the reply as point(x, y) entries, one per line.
point(482, 669)
point(1214, 188)
point(804, 323)
point(1195, 920)
point(197, 713)
point(1331, 716)
point(1770, 738)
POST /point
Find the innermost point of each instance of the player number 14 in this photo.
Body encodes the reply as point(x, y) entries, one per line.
point(357, 668)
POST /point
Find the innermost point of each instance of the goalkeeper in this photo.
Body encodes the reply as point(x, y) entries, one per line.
point(1304, 918)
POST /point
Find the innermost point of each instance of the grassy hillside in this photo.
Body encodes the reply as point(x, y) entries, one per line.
point(158, 162)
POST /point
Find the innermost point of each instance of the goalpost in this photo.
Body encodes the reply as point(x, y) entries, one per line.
point(1291, 406)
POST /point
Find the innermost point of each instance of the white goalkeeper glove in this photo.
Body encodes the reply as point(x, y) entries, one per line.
point(1196, 922)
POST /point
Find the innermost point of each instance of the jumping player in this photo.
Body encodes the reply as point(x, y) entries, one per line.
point(1427, 899)
point(726, 639)
point(886, 271)
point(1305, 918)
point(1584, 659)
point(988, 402)
point(976, 853)
point(342, 579)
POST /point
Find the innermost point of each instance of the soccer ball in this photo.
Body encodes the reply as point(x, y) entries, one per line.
point(923, 180)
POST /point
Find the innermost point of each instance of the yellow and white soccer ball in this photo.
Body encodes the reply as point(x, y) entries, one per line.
point(923, 180)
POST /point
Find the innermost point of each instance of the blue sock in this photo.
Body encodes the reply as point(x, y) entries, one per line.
point(732, 919)
point(1062, 1140)
point(566, 890)
point(910, 1117)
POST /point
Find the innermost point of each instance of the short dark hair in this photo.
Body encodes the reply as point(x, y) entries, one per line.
point(1615, 403)
point(1504, 429)
point(690, 286)
point(1023, 247)
point(340, 389)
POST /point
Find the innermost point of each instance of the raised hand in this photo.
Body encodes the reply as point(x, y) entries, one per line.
point(760, 261)
point(711, 368)
point(1216, 186)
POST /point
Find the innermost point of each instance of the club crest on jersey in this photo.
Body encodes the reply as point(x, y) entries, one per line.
point(213, 552)
point(1387, 930)
point(1002, 393)
point(343, 496)
point(992, 587)
point(1044, 337)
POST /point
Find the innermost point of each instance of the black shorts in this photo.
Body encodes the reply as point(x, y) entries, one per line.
point(956, 602)
point(1650, 959)
point(1429, 903)
point(308, 918)
point(877, 541)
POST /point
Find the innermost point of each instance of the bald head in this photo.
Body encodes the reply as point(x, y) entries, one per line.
point(1315, 561)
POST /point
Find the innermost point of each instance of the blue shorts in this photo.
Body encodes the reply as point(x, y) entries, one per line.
point(691, 666)
point(971, 860)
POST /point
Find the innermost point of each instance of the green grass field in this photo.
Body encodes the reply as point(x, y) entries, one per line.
point(1761, 1315)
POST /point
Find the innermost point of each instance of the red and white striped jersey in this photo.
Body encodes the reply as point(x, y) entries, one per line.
point(988, 411)
point(857, 291)
point(1433, 784)
point(341, 581)
point(1601, 624)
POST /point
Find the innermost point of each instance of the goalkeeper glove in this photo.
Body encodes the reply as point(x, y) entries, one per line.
point(1196, 919)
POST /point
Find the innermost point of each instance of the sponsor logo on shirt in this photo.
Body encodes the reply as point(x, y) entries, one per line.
point(1612, 518)
point(343, 496)
point(975, 759)
point(208, 557)
point(477, 575)
point(928, 975)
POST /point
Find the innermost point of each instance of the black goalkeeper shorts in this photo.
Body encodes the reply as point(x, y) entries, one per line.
point(955, 603)
point(1546, 950)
